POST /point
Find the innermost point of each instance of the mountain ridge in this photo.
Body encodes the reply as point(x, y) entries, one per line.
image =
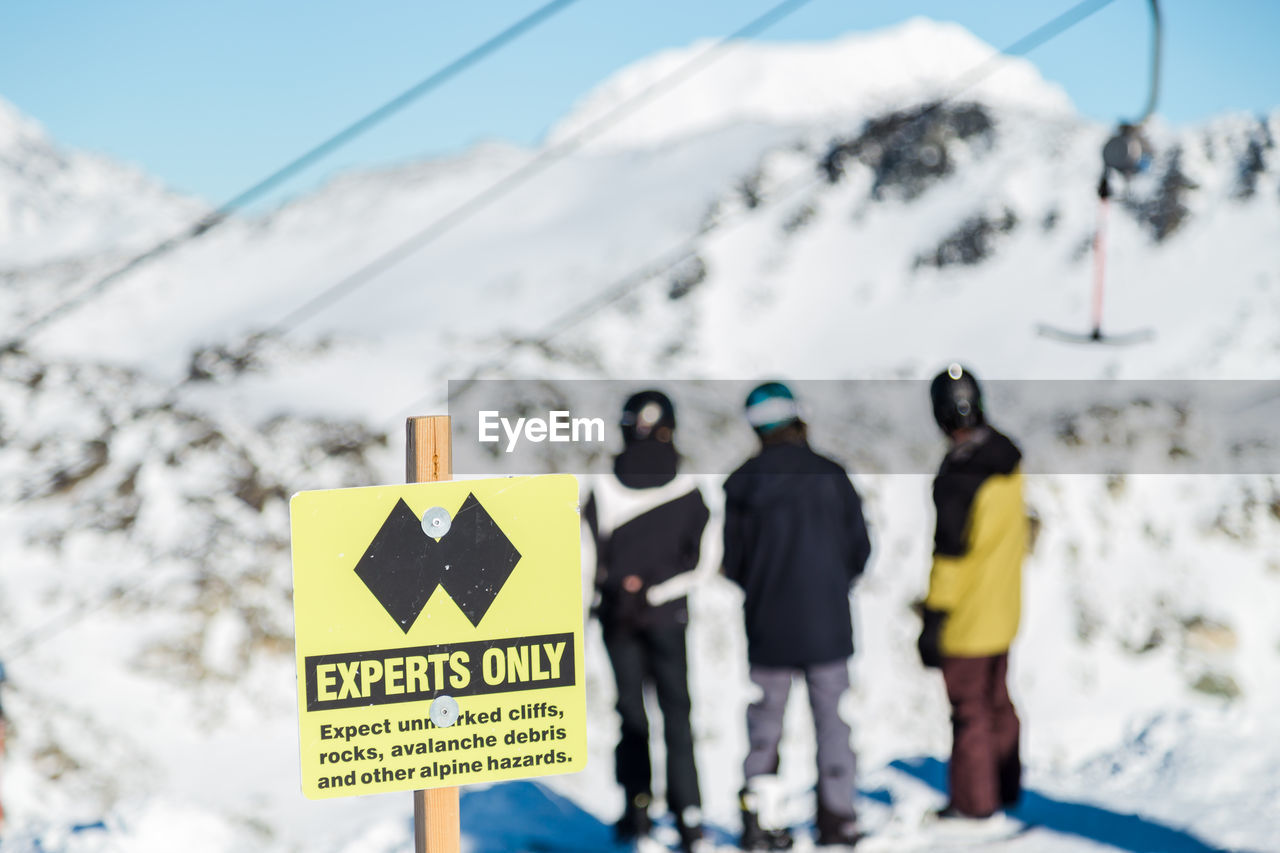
point(810, 82)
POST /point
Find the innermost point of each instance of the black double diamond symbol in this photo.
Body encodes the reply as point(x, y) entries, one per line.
point(403, 565)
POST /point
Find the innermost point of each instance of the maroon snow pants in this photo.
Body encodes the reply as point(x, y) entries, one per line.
point(985, 773)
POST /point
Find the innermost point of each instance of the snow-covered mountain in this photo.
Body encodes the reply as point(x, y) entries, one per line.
point(809, 84)
point(66, 214)
point(59, 206)
point(805, 211)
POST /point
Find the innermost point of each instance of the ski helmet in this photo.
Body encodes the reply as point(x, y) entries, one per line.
point(771, 406)
point(647, 414)
point(957, 399)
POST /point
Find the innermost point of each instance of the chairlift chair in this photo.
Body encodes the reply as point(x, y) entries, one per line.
point(1126, 153)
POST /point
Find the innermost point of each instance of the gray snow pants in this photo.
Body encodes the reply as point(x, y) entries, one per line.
point(826, 682)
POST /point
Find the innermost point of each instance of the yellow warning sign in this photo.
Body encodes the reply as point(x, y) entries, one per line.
point(438, 634)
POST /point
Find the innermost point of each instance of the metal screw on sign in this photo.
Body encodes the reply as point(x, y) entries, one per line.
point(444, 711)
point(436, 522)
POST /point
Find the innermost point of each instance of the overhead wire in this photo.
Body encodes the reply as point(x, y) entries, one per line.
point(219, 215)
point(444, 223)
point(1153, 93)
point(545, 158)
point(290, 169)
point(755, 26)
point(672, 257)
point(646, 272)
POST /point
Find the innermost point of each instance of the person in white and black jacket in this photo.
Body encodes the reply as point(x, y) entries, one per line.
point(647, 522)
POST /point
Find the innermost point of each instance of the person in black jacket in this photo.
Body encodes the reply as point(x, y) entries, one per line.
point(647, 522)
point(795, 541)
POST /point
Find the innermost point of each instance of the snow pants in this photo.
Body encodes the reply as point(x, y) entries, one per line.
point(985, 772)
point(826, 683)
point(654, 655)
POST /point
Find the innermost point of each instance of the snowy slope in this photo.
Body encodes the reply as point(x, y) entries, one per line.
point(61, 206)
point(144, 576)
point(807, 84)
point(65, 215)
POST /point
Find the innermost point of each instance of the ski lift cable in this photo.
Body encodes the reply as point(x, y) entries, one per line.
point(446, 222)
point(680, 75)
point(757, 25)
point(1047, 31)
point(1031, 40)
point(443, 224)
point(610, 295)
point(598, 302)
point(1153, 93)
point(681, 252)
point(303, 161)
point(474, 204)
point(293, 167)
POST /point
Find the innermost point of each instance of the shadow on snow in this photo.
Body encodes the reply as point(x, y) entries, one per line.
point(1122, 831)
point(525, 817)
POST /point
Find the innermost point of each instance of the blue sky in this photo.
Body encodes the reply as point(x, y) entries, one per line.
point(210, 97)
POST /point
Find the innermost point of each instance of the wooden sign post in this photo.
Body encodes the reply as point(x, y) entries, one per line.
point(410, 597)
point(428, 459)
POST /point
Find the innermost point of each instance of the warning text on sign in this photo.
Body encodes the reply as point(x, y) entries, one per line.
point(423, 672)
point(510, 736)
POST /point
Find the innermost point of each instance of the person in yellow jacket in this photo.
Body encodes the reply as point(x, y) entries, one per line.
point(975, 596)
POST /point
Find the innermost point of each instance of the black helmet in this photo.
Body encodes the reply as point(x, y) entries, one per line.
point(957, 399)
point(647, 415)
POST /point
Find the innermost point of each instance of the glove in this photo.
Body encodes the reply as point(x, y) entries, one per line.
point(929, 644)
point(623, 604)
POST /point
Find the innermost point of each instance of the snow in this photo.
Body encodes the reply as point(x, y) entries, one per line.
point(809, 83)
point(145, 612)
point(58, 209)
